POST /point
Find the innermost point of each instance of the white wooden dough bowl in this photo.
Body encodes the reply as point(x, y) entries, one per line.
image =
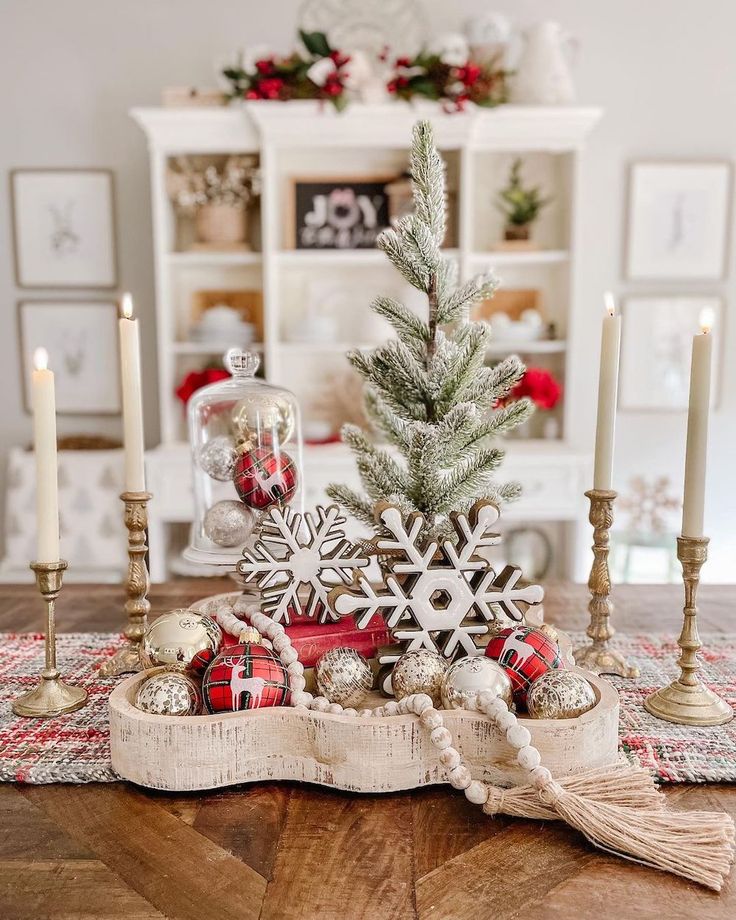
point(360, 755)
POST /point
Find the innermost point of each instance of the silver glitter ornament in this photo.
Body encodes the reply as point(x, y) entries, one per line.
point(343, 676)
point(468, 676)
point(169, 693)
point(419, 671)
point(228, 523)
point(176, 637)
point(217, 458)
point(560, 694)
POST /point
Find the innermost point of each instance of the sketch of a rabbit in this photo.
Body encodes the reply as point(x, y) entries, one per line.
point(64, 240)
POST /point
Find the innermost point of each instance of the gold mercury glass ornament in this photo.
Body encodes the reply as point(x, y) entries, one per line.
point(419, 671)
point(560, 694)
point(260, 417)
point(176, 637)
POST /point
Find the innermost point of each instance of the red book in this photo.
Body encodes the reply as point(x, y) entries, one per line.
point(312, 639)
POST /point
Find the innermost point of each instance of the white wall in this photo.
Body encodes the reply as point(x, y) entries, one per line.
point(664, 71)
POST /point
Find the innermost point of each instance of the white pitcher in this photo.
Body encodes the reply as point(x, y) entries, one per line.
point(543, 74)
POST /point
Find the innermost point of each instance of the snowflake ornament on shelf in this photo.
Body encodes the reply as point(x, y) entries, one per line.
point(294, 552)
point(438, 596)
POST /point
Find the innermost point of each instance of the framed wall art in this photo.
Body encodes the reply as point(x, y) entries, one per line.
point(342, 213)
point(678, 221)
point(64, 228)
point(81, 338)
point(656, 347)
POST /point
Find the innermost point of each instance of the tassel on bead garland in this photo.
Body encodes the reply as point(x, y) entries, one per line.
point(620, 784)
point(699, 845)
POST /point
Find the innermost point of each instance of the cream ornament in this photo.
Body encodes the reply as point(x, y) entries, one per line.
point(469, 676)
point(617, 808)
point(431, 589)
point(296, 552)
point(343, 676)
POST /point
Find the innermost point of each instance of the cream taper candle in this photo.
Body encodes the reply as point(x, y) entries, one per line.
point(607, 394)
point(130, 370)
point(693, 506)
point(44, 445)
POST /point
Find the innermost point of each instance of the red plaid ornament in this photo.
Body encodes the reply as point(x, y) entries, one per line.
point(525, 654)
point(264, 478)
point(245, 676)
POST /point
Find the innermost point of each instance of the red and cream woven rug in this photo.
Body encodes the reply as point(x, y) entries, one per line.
point(75, 748)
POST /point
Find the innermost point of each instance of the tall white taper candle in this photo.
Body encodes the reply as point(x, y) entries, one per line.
point(44, 444)
point(130, 370)
point(693, 507)
point(607, 394)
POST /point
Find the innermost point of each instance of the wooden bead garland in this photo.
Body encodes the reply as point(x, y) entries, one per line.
point(615, 808)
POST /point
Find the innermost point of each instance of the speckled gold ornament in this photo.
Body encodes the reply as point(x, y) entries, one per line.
point(176, 637)
point(262, 419)
point(343, 676)
point(169, 693)
point(468, 676)
point(419, 671)
point(560, 694)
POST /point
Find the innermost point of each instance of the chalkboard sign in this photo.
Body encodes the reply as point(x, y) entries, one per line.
point(346, 214)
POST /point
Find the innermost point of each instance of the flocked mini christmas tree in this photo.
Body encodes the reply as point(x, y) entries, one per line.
point(428, 390)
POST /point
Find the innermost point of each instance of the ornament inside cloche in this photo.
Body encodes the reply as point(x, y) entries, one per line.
point(246, 443)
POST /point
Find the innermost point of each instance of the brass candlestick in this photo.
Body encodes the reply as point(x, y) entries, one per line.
point(597, 656)
point(137, 583)
point(686, 701)
point(52, 696)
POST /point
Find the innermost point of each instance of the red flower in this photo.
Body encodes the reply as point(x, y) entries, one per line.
point(195, 380)
point(270, 88)
point(403, 62)
point(333, 86)
point(391, 86)
point(469, 74)
point(251, 94)
point(340, 59)
point(540, 386)
point(264, 66)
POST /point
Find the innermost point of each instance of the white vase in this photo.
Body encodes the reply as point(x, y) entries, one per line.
point(543, 74)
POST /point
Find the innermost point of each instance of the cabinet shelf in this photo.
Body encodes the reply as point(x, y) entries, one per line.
point(202, 258)
point(207, 348)
point(496, 257)
point(541, 347)
point(339, 257)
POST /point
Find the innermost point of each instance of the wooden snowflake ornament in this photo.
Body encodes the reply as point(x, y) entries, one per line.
point(436, 596)
point(295, 552)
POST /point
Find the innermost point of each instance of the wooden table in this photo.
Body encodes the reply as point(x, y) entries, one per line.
point(282, 851)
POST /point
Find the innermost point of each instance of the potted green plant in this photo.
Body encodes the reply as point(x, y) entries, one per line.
point(520, 205)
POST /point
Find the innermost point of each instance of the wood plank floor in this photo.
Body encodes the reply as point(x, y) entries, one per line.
point(285, 852)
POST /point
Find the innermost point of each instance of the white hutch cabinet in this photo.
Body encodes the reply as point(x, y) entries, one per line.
point(301, 139)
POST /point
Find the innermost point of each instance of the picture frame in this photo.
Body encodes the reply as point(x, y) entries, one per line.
point(656, 345)
point(81, 337)
point(678, 220)
point(340, 213)
point(64, 228)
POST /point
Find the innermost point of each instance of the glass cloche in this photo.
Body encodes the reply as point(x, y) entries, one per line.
point(246, 443)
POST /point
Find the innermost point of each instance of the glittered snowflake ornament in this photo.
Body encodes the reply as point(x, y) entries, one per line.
point(296, 552)
point(438, 596)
